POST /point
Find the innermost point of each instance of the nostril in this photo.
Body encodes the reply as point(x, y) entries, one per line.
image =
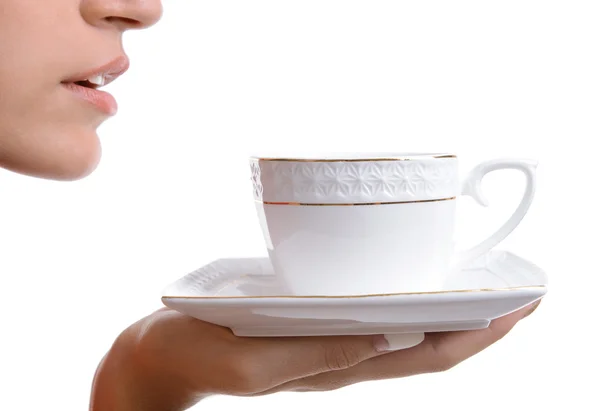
point(124, 21)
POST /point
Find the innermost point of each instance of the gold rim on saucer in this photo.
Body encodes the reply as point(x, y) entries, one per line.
point(330, 297)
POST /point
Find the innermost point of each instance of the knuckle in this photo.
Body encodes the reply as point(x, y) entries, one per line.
point(340, 357)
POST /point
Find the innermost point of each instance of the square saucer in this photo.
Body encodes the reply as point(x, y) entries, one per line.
point(244, 295)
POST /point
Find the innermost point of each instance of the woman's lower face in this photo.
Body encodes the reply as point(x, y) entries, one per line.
point(54, 55)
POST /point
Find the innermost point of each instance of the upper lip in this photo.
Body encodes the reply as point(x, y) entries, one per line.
point(110, 71)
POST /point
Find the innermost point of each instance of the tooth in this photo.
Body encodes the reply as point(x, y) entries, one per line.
point(97, 80)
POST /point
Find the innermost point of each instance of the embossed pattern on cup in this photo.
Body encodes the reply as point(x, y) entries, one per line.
point(349, 182)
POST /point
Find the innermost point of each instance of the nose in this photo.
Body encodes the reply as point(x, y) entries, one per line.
point(123, 14)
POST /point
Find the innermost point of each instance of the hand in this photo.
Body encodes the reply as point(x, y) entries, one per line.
point(169, 361)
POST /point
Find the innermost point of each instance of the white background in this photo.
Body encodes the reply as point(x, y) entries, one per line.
point(217, 81)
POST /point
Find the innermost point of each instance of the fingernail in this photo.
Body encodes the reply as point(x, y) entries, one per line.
point(534, 306)
point(395, 342)
point(380, 343)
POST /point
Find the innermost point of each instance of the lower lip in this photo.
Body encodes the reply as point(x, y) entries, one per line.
point(102, 100)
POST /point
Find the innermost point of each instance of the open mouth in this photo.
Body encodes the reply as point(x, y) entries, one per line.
point(93, 82)
point(87, 85)
point(89, 90)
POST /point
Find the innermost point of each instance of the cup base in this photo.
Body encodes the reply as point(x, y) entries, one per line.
point(336, 282)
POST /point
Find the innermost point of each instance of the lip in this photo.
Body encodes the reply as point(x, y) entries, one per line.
point(111, 71)
point(102, 100)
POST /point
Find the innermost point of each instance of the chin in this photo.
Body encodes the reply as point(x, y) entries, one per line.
point(77, 169)
point(65, 159)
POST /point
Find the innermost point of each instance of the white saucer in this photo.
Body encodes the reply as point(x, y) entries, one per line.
point(243, 295)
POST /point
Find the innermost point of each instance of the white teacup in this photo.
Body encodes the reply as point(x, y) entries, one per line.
point(356, 224)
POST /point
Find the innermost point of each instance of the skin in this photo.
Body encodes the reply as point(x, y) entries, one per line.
point(44, 131)
point(168, 361)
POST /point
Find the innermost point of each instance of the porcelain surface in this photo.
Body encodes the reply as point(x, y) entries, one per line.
point(244, 295)
point(345, 182)
point(327, 221)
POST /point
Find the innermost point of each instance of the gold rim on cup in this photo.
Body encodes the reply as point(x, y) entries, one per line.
point(401, 157)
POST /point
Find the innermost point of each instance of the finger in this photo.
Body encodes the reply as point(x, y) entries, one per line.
point(439, 352)
point(239, 365)
point(290, 359)
point(450, 349)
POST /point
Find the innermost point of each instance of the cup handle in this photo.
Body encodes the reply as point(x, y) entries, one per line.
point(472, 187)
